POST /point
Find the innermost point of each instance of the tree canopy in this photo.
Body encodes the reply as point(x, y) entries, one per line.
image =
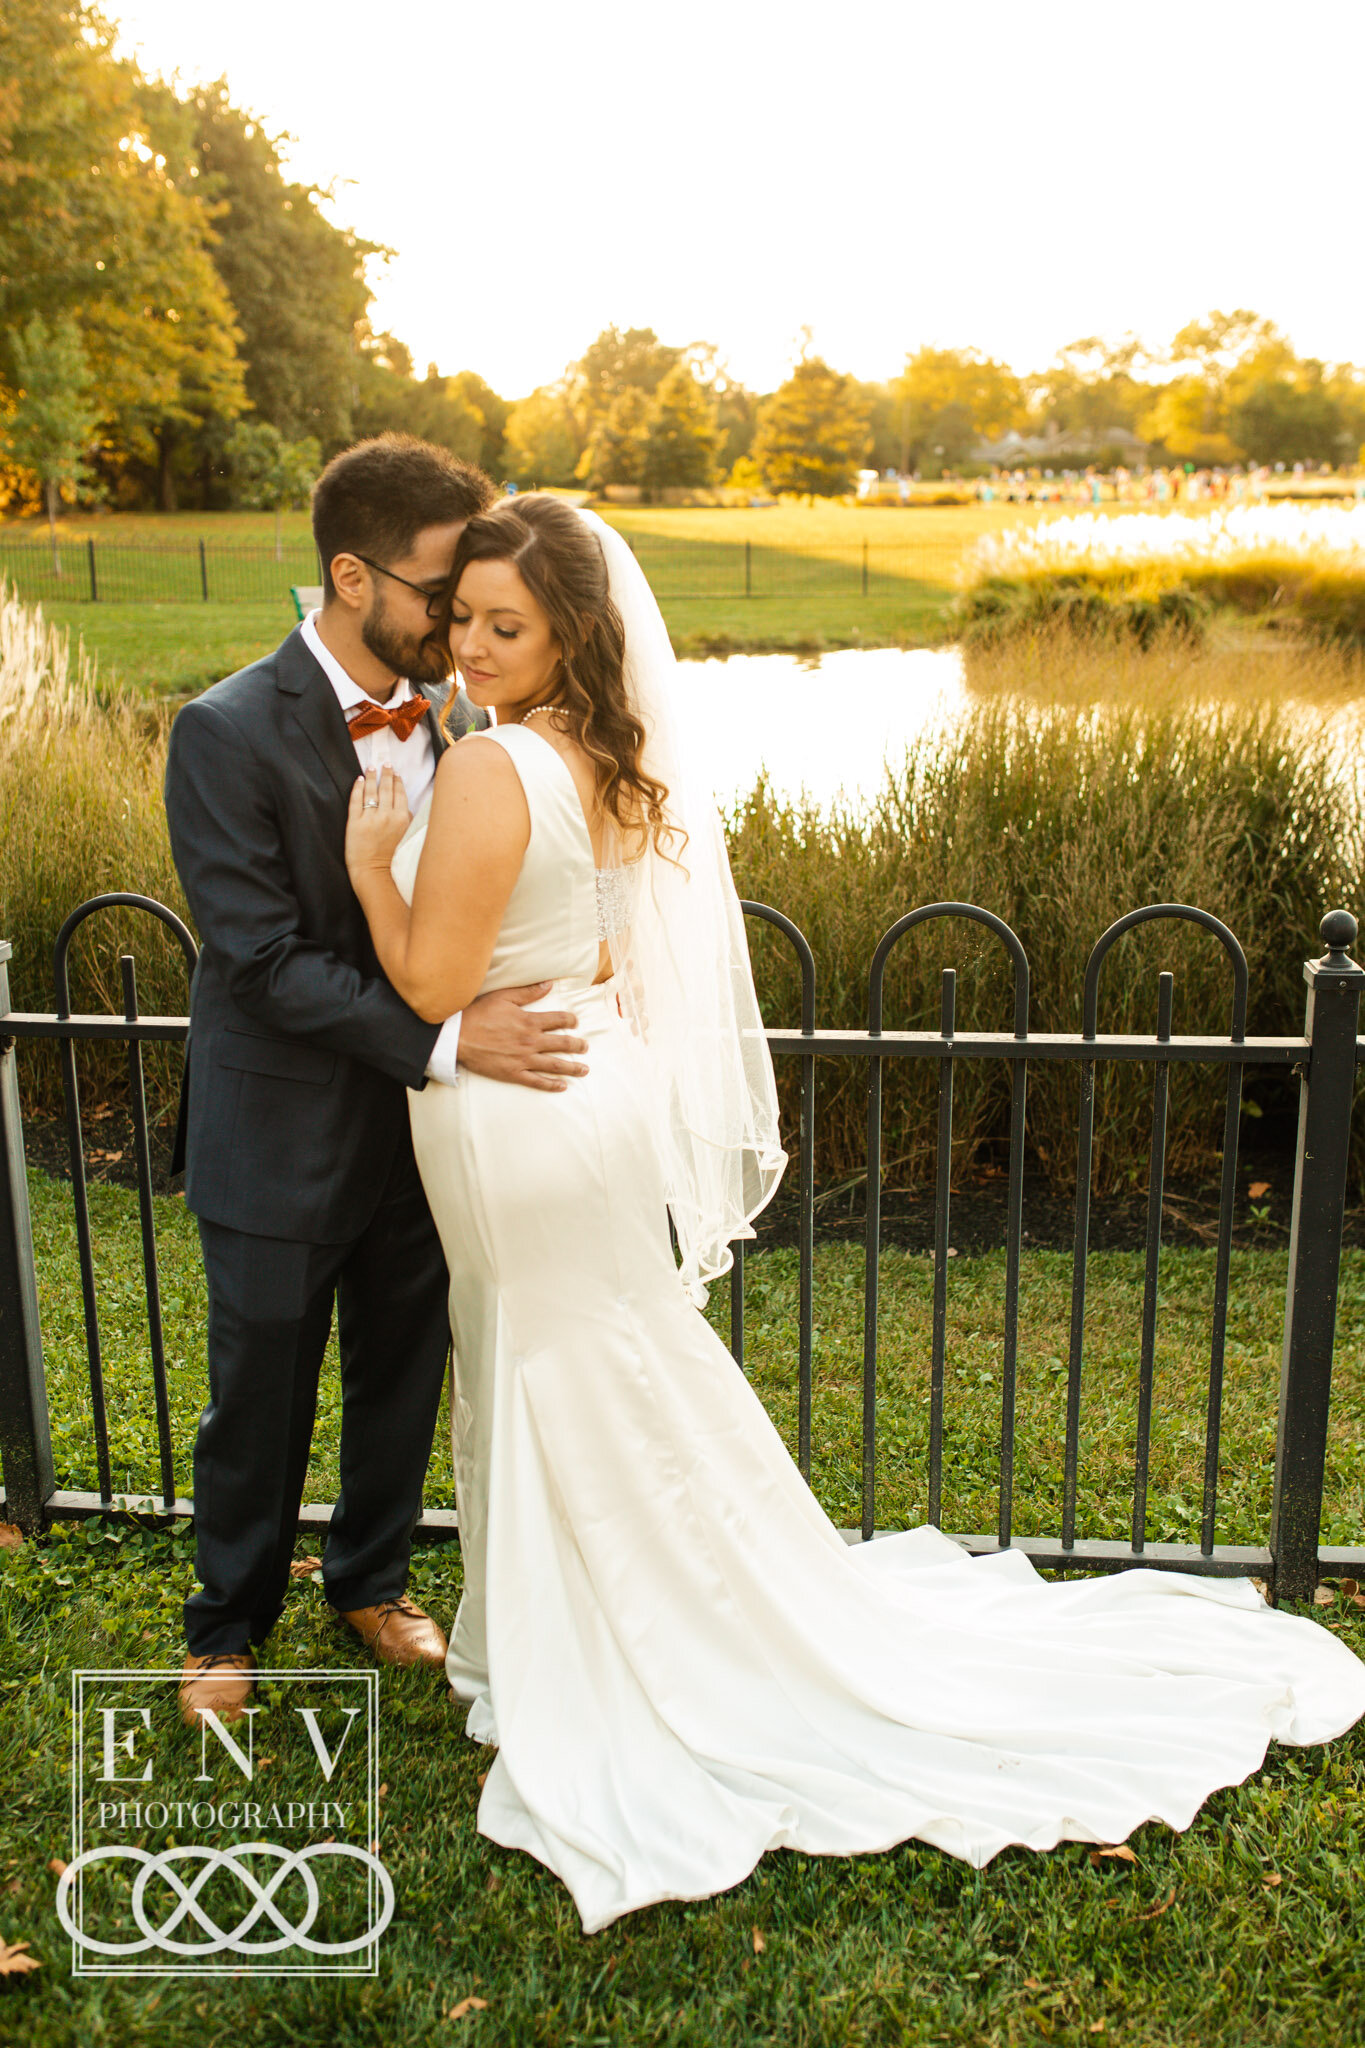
point(812, 433)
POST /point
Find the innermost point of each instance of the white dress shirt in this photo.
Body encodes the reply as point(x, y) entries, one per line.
point(412, 759)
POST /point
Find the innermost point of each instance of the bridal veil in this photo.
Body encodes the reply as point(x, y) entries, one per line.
point(682, 964)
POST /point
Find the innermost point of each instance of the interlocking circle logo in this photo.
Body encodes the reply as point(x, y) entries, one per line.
point(261, 1900)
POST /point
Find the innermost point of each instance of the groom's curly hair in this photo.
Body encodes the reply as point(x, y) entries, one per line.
point(560, 560)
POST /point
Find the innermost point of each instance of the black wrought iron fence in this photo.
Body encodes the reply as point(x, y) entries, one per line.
point(94, 571)
point(1325, 1057)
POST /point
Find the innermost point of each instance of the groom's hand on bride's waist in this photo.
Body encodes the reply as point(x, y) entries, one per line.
point(503, 1040)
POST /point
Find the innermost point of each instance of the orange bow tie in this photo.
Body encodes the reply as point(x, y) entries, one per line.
point(401, 719)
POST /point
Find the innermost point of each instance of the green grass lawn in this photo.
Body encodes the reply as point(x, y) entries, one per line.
point(804, 575)
point(1242, 1931)
point(972, 1409)
point(173, 650)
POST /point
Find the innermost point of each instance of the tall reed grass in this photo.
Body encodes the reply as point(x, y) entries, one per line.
point(80, 815)
point(1140, 571)
point(1078, 785)
point(1061, 815)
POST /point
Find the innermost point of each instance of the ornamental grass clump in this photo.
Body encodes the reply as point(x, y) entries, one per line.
point(1059, 818)
point(80, 815)
point(1141, 573)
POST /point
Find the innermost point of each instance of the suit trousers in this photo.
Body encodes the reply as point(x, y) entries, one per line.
point(270, 1317)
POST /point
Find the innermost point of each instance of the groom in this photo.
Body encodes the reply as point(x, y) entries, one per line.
point(294, 1130)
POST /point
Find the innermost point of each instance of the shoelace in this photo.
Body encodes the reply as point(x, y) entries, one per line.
point(395, 1603)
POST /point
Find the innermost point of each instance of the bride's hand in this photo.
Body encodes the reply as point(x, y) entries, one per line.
point(376, 821)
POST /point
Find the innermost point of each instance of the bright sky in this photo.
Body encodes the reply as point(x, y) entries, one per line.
point(945, 171)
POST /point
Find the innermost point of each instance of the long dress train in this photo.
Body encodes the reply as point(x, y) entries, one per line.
point(681, 1660)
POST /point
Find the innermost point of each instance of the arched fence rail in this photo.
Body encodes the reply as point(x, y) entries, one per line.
point(1326, 1057)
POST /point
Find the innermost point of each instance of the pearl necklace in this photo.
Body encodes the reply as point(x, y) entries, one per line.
point(535, 712)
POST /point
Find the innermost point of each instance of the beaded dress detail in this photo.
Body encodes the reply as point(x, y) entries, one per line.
point(615, 900)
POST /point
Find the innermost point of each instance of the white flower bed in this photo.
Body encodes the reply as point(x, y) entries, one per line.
point(1330, 535)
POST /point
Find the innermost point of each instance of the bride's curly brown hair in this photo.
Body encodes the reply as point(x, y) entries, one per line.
point(559, 559)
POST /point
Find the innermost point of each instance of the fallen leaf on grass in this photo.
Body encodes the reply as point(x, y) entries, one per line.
point(1258, 1188)
point(1324, 1597)
point(1096, 2026)
point(466, 2005)
point(1032, 1984)
point(1123, 1854)
point(302, 1566)
point(1350, 1587)
point(1162, 1906)
point(494, 1883)
point(10, 1537)
point(1272, 1878)
point(56, 1866)
point(482, 1777)
point(14, 1960)
point(759, 1943)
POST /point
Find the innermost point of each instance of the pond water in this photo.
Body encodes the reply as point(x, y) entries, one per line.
point(824, 725)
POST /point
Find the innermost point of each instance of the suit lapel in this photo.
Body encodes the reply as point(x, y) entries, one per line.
point(465, 716)
point(314, 704)
point(436, 698)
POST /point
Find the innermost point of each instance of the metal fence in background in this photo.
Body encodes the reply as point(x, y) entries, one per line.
point(172, 572)
point(95, 571)
point(1290, 1557)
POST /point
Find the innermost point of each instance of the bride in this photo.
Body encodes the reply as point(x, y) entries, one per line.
point(680, 1660)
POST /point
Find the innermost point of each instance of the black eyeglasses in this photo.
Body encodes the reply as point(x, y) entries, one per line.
point(438, 601)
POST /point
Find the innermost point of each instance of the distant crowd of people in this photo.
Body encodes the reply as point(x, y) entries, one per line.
point(1180, 484)
point(1177, 484)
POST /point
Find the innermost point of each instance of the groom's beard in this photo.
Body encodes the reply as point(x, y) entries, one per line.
point(425, 660)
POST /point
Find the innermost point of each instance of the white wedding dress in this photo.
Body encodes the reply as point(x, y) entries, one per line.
point(682, 1662)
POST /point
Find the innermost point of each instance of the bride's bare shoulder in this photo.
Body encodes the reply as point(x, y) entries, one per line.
point(476, 772)
point(475, 754)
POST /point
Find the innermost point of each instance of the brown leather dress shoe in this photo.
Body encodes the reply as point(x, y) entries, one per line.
point(398, 1632)
point(222, 1681)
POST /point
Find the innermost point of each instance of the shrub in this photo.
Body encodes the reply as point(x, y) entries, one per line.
point(1289, 564)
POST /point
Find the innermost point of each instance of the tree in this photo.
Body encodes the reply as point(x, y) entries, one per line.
point(950, 398)
point(616, 448)
point(543, 439)
point(53, 423)
point(492, 411)
point(683, 437)
point(812, 433)
point(268, 472)
point(634, 361)
point(296, 282)
point(100, 224)
point(390, 399)
point(1282, 419)
point(1188, 418)
point(736, 409)
point(1219, 360)
point(1092, 387)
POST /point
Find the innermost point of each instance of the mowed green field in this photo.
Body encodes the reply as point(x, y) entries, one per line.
point(789, 576)
point(1243, 1931)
